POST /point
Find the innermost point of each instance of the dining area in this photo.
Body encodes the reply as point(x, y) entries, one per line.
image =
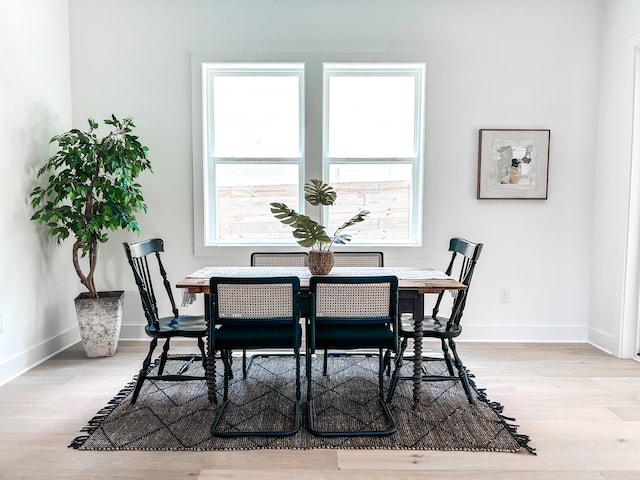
point(318, 329)
point(385, 109)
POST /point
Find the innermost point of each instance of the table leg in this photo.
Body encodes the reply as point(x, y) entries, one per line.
point(210, 372)
point(418, 318)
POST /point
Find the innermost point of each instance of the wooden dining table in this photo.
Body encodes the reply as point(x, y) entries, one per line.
point(413, 284)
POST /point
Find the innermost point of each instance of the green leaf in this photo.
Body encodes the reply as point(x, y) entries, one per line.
point(86, 188)
point(316, 192)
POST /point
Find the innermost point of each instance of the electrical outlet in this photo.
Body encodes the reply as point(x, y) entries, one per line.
point(505, 295)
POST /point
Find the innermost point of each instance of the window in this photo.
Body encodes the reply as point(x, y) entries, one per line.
point(373, 123)
point(265, 131)
point(253, 142)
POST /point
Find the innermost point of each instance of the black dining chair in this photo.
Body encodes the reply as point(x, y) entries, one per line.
point(255, 313)
point(349, 258)
point(358, 259)
point(140, 255)
point(279, 259)
point(464, 256)
point(352, 313)
point(274, 259)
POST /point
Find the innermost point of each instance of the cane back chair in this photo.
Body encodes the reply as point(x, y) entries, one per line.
point(358, 259)
point(279, 259)
point(355, 259)
point(255, 313)
point(274, 259)
point(352, 313)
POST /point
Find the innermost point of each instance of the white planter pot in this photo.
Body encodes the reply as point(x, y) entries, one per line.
point(100, 320)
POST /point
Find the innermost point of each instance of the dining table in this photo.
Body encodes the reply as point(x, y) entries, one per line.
point(413, 285)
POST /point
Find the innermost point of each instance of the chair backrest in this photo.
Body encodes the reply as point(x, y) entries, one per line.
point(358, 259)
point(360, 300)
point(138, 256)
point(272, 300)
point(464, 257)
point(279, 259)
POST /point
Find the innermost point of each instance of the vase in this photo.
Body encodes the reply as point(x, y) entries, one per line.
point(99, 320)
point(320, 263)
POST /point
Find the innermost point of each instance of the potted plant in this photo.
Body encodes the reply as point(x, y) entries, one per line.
point(309, 233)
point(88, 189)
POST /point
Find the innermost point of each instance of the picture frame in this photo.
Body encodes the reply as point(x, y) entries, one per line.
point(513, 164)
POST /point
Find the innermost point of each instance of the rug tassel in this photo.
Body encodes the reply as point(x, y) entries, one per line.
point(97, 420)
point(498, 408)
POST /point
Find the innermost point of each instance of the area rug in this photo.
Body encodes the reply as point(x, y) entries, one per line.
point(178, 415)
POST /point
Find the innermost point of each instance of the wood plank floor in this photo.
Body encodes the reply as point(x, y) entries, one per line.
point(580, 406)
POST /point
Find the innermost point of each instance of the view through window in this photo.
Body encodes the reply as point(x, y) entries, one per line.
point(255, 131)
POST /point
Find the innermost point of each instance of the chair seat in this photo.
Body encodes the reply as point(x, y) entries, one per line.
point(430, 328)
point(354, 336)
point(254, 336)
point(183, 325)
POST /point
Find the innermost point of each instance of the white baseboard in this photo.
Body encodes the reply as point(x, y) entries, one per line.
point(20, 363)
point(525, 333)
point(132, 332)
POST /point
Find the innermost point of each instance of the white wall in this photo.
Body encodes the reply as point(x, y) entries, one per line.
point(37, 286)
point(616, 227)
point(490, 64)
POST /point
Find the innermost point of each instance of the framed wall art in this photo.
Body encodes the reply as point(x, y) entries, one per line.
point(513, 164)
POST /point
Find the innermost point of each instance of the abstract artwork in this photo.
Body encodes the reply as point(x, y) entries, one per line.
point(513, 164)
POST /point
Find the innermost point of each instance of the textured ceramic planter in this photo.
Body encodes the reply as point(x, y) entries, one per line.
point(320, 263)
point(99, 321)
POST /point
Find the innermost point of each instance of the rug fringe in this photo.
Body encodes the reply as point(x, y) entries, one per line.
point(102, 414)
point(96, 422)
point(498, 408)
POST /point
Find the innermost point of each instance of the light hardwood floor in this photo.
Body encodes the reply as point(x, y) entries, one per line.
point(580, 407)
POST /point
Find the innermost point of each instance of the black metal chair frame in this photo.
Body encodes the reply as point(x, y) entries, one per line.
point(390, 320)
point(444, 329)
point(279, 259)
point(189, 326)
point(362, 259)
point(355, 259)
point(255, 324)
point(273, 259)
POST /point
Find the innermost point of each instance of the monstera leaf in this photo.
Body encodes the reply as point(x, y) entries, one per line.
point(307, 232)
point(316, 192)
point(342, 238)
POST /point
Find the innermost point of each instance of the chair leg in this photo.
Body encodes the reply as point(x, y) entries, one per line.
point(164, 356)
point(143, 371)
point(381, 369)
point(307, 370)
point(210, 375)
point(215, 431)
point(226, 360)
point(393, 384)
point(350, 433)
point(462, 372)
point(244, 364)
point(202, 352)
point(325, 362)
point(298, 380)
point(387, 362)
point(447, 356)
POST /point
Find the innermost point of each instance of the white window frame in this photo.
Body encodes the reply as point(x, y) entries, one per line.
point(417, 72)
point(312, 141)
point(210, 70)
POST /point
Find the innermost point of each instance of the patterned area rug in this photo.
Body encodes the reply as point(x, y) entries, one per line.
point(178, 415)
